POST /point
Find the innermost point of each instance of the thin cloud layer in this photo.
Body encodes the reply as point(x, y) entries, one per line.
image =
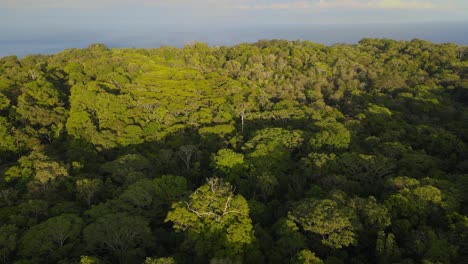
point(32, 4)
point(386, 4)
point(354, 4)
point(239, 4)
point(286, 5)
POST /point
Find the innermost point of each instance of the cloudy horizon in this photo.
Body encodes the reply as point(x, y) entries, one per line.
point(263, 11)
point(44, 26)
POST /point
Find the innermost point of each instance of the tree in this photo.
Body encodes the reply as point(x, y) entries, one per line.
point(231, 166)
point(216, 220)
point(160, 261)
point(47, 172)
point(87, 189)
point(54, 237)
point(41, 106)
point(7, 137)
point(287, 239)
point(327, 218)
point(307, 257)
point(89, 260)
point(122, 235)
point(8, 241)
point(350, 153)
point(269, 158)
point(227, 160)
point(386, 248)
point(186, 153)
point(169, 188)
point(374, 216)
point(127, 169)
point(331, 135)
point(139, 194)
point(33, 210)
point(37, 169)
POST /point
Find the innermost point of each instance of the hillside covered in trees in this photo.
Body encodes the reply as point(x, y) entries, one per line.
point(272, 152)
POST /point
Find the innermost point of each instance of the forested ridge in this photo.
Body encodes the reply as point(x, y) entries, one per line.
point(272, 152)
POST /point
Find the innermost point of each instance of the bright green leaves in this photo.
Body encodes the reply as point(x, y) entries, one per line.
point(103, 118)
point(309, 134)
point(428, 194)
point(76, 73)
point(269, 139)
point(307, 257)
point(4, 101)
point(162, 100)
point(372, 213)
point(216, 220)
point(39, 170)
point(160, 261)
point(331, 135)
point(379, 110)
point(329, 219)
point(41, 104)
point(7, 138)
point(220, 130)
point(337, 220)
point(414, 201)
point(228, 161)
point(89, 260)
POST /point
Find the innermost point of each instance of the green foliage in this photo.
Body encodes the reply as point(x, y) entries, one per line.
point(169, 188)
point(7, 138)
point(217, 221)
point(334, 223)
point(160, 261)
point(346, 154)
point(8, 241)
point(39, 170)
point(307, 257)
point(89, 260)
point(122, 235)
point(87, 188)
point(139, 194)
point(127, 169)
point(331, 135)
point(56, 236)
point(227, 159)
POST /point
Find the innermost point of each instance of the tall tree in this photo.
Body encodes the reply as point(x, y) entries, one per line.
point(216, 220)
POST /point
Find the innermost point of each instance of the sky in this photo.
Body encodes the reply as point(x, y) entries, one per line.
point(63, 13)
point(30, 22)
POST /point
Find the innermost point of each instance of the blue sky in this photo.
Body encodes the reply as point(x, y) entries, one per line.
point(102, 13)
point(47, 26)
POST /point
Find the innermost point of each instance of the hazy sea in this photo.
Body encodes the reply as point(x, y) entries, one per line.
point(42, 41)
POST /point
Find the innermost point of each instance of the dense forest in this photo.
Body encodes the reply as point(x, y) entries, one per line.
point(272, 152)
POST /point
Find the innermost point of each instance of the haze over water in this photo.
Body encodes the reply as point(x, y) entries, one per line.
point(49, 26)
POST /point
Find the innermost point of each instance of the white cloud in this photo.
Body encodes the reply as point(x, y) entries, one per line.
point(60, 3)
point(115, 3)
point(240, 4)
point(386, 4)
point(288, 5)
point(354, 4)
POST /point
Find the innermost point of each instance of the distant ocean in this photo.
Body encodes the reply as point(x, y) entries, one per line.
point(24, 42)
